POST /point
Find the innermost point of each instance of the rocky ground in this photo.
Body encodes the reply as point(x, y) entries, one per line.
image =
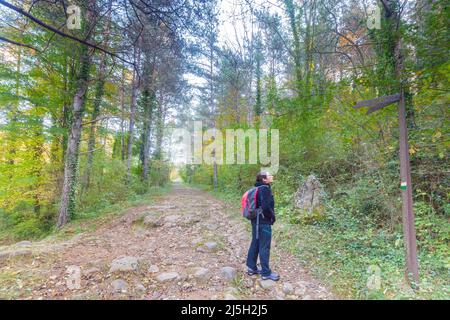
point(188, 245)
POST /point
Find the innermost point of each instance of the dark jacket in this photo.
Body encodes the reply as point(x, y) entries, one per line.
point(266, 202)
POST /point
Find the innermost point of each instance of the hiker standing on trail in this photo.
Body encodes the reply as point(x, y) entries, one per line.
point(261, 227)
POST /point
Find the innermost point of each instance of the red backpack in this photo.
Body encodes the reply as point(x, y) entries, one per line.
point(249, 203)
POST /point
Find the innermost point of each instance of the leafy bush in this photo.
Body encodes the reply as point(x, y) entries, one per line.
point(29, 228)
point(107, 185)
point(159, 172)
point(23, 223)
point(433, 231)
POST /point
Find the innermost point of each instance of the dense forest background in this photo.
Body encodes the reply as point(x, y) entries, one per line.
point(83, 114)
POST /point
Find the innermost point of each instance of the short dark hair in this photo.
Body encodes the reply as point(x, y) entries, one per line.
point(261, 175)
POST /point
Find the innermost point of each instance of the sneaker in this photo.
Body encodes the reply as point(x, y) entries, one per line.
point(273, 276)
point(252, 272)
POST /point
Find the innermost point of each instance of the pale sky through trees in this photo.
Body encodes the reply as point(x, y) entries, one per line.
point(232, 17)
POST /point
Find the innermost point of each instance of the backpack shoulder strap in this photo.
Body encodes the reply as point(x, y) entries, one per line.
point(258, 189)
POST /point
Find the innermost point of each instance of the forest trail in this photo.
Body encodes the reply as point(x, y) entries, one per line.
point(188, 245)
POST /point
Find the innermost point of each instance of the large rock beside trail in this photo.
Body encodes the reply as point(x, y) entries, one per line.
point(309, 194)
point(124, 264)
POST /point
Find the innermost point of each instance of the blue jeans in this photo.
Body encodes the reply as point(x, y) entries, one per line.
point(260, 247)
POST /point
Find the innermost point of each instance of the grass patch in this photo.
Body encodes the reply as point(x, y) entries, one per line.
point(239, 284)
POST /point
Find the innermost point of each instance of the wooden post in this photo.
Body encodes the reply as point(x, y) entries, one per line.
point(409, 229)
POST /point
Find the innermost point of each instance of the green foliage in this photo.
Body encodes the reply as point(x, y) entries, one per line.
point(107, 185)
point(159, 172)
point(24, 223)
point(433, 231)
point(307, 217)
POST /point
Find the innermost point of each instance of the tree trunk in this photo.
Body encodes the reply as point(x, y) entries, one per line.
point(13, 114)
point(38, 150)
point(99, 92)
point(159, 129)
point(122, 120)
point(71, 161)
point(146, 135)
point(213, 107)
point(134, 92)
point(258, 100)
point(290, 8)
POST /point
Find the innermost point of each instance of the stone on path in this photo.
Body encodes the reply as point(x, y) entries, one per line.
point(162, 207)
point(15, 253)
point(191, 219)
point(288, 288)
point(229, 273)
point(153, 269)
point(231, 290)
point(196, 241)
point(119, 286)
point(267, 284)
point(202, 275)
point(151, 222)
point(167, 276)
point(301, 289)
point(211, 226)
point(172, 218)
point(23, 243)
point(91, 271)
point(124, 264)
point(139, 287)
point(20, 252)
point(229, 296)
point(211, 245)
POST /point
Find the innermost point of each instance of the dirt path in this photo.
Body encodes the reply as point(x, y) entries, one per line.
point(179, 248)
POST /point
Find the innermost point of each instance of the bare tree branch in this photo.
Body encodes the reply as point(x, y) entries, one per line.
point(18, 44)
point(65, 35)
